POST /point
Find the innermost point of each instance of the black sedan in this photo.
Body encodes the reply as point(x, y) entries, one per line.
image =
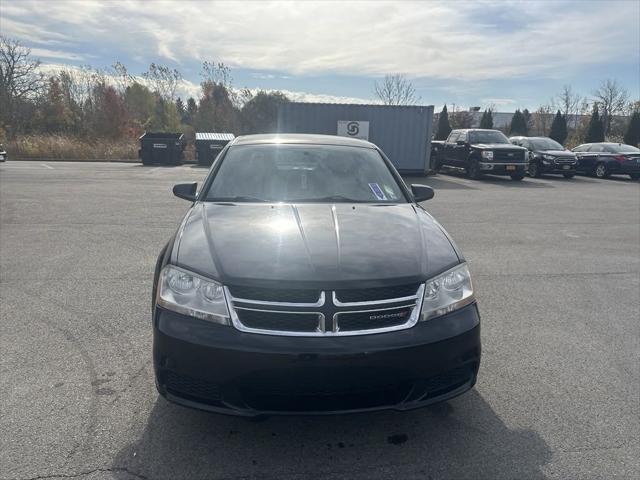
point(605, 159)
point(307, 278)
point(3, 154)
point(547, 156)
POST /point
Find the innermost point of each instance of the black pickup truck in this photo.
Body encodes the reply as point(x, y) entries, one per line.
point(479, 151)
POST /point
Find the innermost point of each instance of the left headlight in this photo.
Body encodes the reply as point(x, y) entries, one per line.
point(447, 292)
point(190, 294)
point(548, 157)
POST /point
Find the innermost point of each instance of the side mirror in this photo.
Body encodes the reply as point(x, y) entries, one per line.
point(422, 192)
point(460, 142)
point(186, 191)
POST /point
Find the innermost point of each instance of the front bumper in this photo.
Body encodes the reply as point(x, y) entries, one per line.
point(218, 368)
point(503, 168)
point(558, 168)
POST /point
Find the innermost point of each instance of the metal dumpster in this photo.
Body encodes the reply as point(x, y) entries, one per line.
point(161, 148)
point(209, 145)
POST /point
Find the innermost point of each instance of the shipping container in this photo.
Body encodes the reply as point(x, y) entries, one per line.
point(161, 148)
point(209, 145)
point(402, 132)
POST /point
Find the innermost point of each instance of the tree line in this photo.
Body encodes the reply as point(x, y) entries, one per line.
point(87, 102)
point(607, 115)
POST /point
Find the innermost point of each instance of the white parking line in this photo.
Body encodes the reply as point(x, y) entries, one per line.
point(48, 166)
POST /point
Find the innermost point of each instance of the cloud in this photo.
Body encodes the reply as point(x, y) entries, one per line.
point(499, 102)
point(59, 54)
point(464, 41)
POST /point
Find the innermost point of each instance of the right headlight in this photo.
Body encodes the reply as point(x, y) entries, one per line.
point(447, 292)
point(188, 293)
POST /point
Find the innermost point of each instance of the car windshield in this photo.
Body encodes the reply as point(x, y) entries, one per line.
point(622, 148)
point(304, 173)
point(488, 136)
point(545, 144)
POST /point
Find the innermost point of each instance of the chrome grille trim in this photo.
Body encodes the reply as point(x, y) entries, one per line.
point(325, 328)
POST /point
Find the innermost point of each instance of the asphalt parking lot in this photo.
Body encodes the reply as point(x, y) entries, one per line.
point(556, 265)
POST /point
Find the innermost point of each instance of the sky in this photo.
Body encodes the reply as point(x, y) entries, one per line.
point(504, 54)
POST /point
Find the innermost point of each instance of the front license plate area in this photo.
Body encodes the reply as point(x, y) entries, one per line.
point(510, 168)
point(566, 167)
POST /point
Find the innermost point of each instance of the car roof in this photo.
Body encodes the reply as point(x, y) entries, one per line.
point(300, 138)
point(476, 130)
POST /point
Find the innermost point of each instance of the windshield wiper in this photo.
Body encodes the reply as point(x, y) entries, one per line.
point(237, 198)
point(331, 198)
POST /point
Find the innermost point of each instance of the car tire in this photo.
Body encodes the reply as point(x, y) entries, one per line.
point(534, 170)
point(568, 175)
point(517, 177)
point(473, 171)
point(601, 170)
point(635, 176)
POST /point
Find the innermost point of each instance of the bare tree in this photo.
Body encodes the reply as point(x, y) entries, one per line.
point(611, 99)
point(217, 73)
point(569, 104)
point(542, 119)
point(20, 79)
point(121, 76)
point(163, 80)
point(396, 90)
point(460, 118)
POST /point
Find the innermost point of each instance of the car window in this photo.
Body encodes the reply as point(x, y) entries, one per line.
point(487, 136)
point(545, 144)
point(580, 148)
point(621, 148)
point(596, 148)
point(462, 137)
point(453, 136)
point(304, 173)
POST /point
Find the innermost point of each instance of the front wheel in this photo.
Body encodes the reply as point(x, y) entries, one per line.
point(473, 171)
point(635, 176)
point(534, 170)
point(517, 176)
point(568, 175)
point(601, 170)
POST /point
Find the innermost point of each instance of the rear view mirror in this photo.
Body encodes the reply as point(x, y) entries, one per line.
point(186, 190)
point(460, 142)
point(422, 193)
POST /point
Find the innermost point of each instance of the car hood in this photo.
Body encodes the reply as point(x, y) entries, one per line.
point(498, 146)
point(323, 245)
point(557, 153)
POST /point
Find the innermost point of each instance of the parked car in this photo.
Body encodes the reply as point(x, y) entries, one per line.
point(3, 154)
point(604, 159)
point(307, 278)
point(479, 151)
point(547, 156)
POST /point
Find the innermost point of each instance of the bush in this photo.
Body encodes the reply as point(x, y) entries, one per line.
point(64, 147)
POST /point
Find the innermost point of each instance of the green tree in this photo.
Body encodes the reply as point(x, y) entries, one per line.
point(165, 117)
point(487, 119)
point(632, 135)
point(558, 130)
point(444, 128)
point(140, 103)
point(528, 119)
point(260, 114)
point(216, 112)
point(518, 124)
point(595, 130)
point(190, 112)
point(56, 116)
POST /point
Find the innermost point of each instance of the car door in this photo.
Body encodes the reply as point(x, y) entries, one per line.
point(460, 151)
point(585, 158)
point(449, 150)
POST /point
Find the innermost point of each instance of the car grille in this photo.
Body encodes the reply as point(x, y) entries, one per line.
point(324, 313)
point(373, 294)
point(565, 160)
point(282, 321)
point(275, 294)
point(508, 156)
point(187, 386)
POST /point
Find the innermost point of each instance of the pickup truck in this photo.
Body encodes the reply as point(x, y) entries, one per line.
point(479, 151)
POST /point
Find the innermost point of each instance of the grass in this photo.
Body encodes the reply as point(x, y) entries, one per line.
point(62, 147)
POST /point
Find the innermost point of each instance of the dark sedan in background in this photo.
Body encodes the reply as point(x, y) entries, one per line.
point(307, 278)
point(547, 156)
point(605, 159)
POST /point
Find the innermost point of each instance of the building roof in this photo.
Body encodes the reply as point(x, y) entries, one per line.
point(225, 137)
point(301, 138)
